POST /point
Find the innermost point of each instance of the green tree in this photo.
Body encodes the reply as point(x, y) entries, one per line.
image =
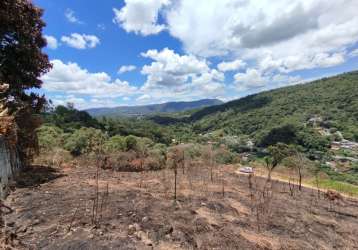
point(277, 153)
point(131, 142)
point(85, 140)
point(116, 143)
point(50, 137)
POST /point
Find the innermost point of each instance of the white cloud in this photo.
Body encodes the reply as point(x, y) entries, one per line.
point(126, 68)
point(255, 80)
point(353, 53)
point(273, 37)
point(140, 16)
point(173, 76)
point(251, 78)
point(231, 66)
point(305, 34)
point(79, 41)
point(83, 102)
point(70, 78)
point(144, 97)
point(51, 42)
point(70, 16)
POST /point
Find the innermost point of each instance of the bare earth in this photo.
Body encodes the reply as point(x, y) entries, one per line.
point(53, 209)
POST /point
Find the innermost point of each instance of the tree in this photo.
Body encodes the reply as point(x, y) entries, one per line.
point(85, 141)
point(277, 153)
point(21, 64)
point(21, 59)
point(131, 142)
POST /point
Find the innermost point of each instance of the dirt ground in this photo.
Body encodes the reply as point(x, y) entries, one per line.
point(61, 209)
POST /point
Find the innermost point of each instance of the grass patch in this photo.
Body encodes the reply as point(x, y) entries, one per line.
point(341, 187)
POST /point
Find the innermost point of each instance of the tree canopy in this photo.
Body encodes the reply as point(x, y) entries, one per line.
point(21, 60)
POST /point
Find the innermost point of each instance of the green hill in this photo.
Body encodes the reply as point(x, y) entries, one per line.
point(333, 99)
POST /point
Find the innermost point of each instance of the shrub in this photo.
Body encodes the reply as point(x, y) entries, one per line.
point(85, 140)
point(116, 143)
point(131, 142)
point(49, 137)
point(54, 157)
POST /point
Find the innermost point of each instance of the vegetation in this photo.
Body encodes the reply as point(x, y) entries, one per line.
point(21, 64)
point(278, 126)
point(281, 115)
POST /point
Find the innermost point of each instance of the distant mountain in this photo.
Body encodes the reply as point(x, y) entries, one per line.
point(142, 110)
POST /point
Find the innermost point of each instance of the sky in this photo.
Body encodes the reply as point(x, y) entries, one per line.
point(134, 52)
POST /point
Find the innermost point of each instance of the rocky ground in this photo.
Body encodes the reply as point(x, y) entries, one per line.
point(62, 209)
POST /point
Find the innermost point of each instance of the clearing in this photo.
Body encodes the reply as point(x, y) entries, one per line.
point(54, 209)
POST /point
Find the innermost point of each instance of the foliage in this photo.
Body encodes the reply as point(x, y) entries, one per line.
point(136, 127)
point(69, 119)
point(85, 140)
point(50, 137)
point(21, 59)
point(116, 143)
point(339, 186)
point(277, 154)
point(131, 143)
point(21, 65)
point(350, 177)
point(258, 116)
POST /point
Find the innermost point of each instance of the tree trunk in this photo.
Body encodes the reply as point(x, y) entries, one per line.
point(9, 165)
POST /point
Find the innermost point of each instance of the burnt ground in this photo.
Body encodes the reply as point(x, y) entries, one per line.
point(53, 209)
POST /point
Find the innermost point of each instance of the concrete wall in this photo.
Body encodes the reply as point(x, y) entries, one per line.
point(9, 165)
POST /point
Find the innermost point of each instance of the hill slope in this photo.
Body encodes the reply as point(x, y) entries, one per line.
point(334, 99)
point(168, 107)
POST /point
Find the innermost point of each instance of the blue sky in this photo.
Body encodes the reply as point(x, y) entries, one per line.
point(113, 53)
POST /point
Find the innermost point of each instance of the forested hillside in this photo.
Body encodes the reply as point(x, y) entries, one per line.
point(334, 100)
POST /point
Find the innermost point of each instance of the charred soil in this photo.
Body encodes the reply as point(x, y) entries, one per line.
point(87, 208)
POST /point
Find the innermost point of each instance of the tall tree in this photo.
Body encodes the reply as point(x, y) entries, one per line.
point(22, 62)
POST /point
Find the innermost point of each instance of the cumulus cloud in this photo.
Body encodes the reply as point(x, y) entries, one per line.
point(83, 102)
point(126, 68)
point(254, 79)
point(285, 35)
point(172, 75)
point(79, 41)
point(70, 16)
point(70, 78)
point(140, 16)
point(251, 78)
point(51, 42)
point(231, 66)
point(215, 27)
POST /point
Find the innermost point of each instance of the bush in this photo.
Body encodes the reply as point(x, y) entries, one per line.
point(54, 157)
point(159, 154)
point(50, 137)
point(131, 142)
point(116, 143)
point(85, 140)
point(224, 156)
